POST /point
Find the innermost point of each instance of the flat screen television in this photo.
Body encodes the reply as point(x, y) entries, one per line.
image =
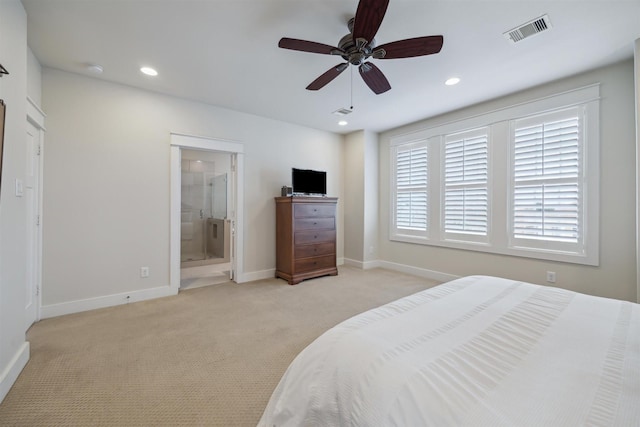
point(310, 182)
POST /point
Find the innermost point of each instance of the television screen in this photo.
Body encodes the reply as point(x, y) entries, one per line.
point(306, 181)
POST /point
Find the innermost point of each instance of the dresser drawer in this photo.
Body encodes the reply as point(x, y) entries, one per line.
point(305, 210)
point(315, 263)
point(315, 223)
point(305, 251)
point(304, 237)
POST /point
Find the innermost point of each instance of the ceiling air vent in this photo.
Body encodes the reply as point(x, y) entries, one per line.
point(529, 29)
point(343, 111)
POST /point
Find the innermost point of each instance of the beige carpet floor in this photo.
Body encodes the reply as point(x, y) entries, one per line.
point(209, 356)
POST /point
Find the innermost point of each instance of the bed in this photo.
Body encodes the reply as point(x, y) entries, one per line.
point(476, 351)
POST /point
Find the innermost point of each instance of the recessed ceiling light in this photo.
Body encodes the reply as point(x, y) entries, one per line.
point(452, 81)
point(149, 71)
point(343, 123)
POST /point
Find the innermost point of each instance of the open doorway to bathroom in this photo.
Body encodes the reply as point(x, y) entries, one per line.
point(205, 224)
point(234, 152)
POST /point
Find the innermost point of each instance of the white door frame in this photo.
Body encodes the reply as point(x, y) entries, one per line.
point(36, 117)
point(178, 142)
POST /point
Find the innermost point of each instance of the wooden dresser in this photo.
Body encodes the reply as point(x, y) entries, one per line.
point(305, 237)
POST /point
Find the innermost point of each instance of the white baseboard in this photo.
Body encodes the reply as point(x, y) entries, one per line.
point(417, 271)
point(256, 275)
point(363, 265)
point(105, 301)
point(164, 291)
point(10, 374)
point(402, 268)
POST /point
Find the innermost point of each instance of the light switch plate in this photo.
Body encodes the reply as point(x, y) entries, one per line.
point(19, 188)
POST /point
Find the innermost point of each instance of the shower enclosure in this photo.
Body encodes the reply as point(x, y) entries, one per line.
point(204, 226)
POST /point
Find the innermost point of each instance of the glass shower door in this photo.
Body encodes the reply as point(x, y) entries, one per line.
point(218, 229)
point(196, 209)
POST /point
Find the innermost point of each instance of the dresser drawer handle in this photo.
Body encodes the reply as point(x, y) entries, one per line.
point(315, 223)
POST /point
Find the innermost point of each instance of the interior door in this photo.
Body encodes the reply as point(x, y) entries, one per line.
point(32, 203)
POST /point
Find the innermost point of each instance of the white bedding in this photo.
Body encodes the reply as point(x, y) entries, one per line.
point(477, 351)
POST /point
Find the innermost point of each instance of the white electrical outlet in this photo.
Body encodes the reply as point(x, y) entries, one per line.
point(551, 276)
point(144, 271)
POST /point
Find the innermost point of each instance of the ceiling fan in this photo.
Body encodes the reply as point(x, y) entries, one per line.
point(359, 45)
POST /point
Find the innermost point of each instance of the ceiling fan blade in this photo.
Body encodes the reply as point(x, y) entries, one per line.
point(374, 78)
point(368, 18)
point(307, 46)
point(327, 77)
point(408, 48)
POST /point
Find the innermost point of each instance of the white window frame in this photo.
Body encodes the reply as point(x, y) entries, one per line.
point(547, 243)
point(499, 226)
point(406, 234)
point(465, 236)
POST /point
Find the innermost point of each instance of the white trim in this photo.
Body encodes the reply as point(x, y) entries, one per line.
point(363, 265)
point(77, 306)
point(174, 220)
point(441, 186)
point(417, 271)
point(178, 142)
point(36, 117)
point(9, 376)
point(636, 68)
point(259, 275)
point(405, 233)
point(354, 263)
point(205, 143)
point(498, 122)
point(239, 217)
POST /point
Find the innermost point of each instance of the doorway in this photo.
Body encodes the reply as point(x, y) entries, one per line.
point(206, 211)
point(205, 225)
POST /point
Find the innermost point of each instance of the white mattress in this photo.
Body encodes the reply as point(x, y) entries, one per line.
point(477, 351)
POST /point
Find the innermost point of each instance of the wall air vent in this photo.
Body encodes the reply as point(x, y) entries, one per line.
point(528, 29)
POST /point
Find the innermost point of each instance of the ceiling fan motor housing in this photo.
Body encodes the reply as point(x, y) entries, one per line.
point(352, 51)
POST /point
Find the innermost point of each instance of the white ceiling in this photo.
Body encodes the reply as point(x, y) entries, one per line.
point(224, 52)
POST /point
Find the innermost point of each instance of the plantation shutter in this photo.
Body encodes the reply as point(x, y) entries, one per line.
point(411, 187)
point(547, 166)
point(465, 183)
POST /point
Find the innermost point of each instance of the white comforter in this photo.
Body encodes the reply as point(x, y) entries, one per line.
point(477, 351)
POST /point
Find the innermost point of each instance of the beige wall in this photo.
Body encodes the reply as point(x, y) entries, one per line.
point(371, 202)
point(354, 196)
point(361, 197)
point(34, 78)
point(14, 350)
point(107, 176)
point(616, 275)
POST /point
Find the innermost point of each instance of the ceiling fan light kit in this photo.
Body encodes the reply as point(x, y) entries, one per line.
point(360, 45)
